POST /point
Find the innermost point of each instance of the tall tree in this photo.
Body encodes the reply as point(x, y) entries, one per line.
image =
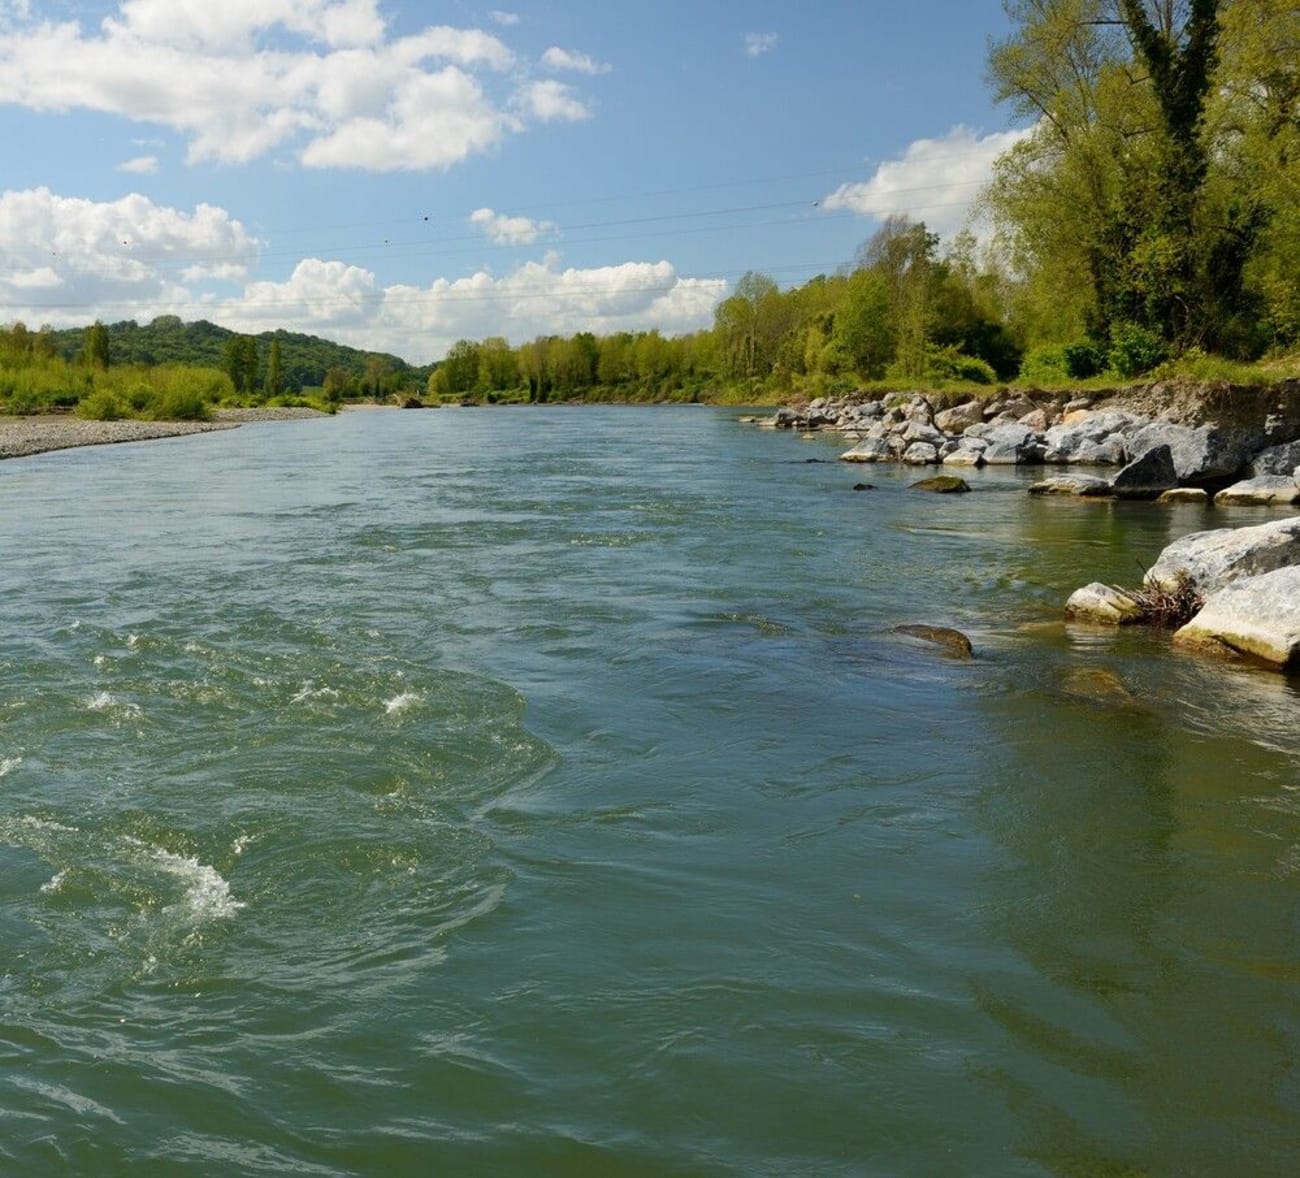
point(96, 351)
point(272, 385)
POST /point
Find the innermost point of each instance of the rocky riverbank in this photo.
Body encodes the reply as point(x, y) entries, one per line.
point(1171, 437)
point(21, 437)
point(1233, 591)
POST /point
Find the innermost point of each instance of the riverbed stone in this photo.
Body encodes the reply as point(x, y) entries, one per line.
point(1256, 616)
point(1265, 490)
point(943, 484)
point(1147, 476)
point(1084, 485)
point(1012, 444)
point(1216, 558)
point(966, 454)
point(1088, 438)
point(1185, 495)
point(953, 642)
point(868, 450)
point(1103, 604)
point(921, 454)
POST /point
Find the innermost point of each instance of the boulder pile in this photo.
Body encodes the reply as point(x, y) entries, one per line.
point(1252, 458)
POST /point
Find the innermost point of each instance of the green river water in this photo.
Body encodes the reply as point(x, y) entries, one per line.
point(543, 792)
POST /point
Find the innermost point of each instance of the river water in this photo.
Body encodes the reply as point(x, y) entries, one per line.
point(542, 792)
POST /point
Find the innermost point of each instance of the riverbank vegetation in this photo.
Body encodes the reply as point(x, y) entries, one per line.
point(1146, 225)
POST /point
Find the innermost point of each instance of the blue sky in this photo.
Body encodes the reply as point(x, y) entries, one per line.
point(397, 175)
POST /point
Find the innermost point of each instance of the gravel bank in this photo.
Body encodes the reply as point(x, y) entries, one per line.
point(22, 436)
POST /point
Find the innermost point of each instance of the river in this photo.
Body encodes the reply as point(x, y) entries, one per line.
point(542, 791)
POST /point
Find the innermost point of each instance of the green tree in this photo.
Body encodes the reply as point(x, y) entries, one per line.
point(272, 385)
point(240, 362)
point(97, 344)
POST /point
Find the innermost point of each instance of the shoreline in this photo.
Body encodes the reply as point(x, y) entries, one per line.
point(24, 437)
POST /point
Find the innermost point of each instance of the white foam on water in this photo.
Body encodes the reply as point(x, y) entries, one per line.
point(99, 660)
point(54, 883)
point(207, 893)
point(132, 640)
point(106, 701)
point(308, 692)
point(241, 843)
point(400, 703)
point(9, 764)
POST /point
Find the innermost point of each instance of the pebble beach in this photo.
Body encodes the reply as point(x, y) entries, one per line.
point(21, 437)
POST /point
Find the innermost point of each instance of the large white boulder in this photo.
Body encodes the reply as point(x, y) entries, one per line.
point(1217, 558)
point(1265, 489)
point(1256, 616)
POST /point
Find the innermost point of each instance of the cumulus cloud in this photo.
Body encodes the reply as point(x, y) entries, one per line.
point(69, 260)
point(559, 60)
point(141, 165)
point(421, 322)
point(552, 101)
point(756, 44)
point(503, 230)
point(936, 181)
point(504, 18)
point(323, 79)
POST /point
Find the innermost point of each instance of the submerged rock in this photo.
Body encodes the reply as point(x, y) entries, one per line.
point(1258, 617)
point(954, 642)
point(1104, 604)
point(1263, 490)
point(1096, 684)
point(1216, 558)
point(943, 484)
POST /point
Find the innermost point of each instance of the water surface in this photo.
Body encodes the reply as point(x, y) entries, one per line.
point(542, 791)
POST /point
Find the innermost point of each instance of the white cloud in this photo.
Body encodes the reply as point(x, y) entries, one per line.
point(559, 59)
point(141, 165)
point(504, 18)
point(552, 101)
point(936, 181)
point(421, 322)
point(503, 230)
point(756, 44)
point(69, 260)
point(321, 78)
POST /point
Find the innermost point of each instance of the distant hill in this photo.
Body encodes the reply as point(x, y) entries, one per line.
point(304, 359)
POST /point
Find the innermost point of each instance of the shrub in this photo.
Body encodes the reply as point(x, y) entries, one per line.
point(1044, 366)
point(1083, 360)
point(102, 405)
point(1134, 350)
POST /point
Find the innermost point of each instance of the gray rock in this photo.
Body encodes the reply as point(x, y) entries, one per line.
point(1104, 604)
point(1146, 477)
point(1185, 495)
point(1256, 616)
point(1281, 459)
point(1085, 485)
point(959, 417)
point(919, 431)
point(969, 453)
point(921, 454)
point(1012, 444)
point(1095, 439)
point(1262, 491)
point(1216, 558)
point(868, 450)
point(1202, 454)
